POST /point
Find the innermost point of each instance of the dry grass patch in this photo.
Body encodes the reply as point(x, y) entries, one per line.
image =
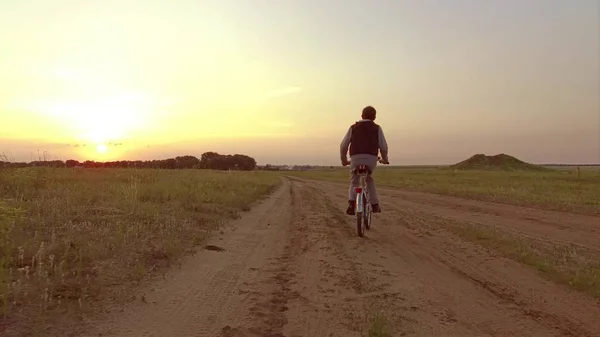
point(567, 264)
point(570, 265)
point(378, 324)
point(70, 238)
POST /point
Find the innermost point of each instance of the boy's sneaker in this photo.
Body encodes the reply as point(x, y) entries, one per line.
point(350, 209)
point(375, 208)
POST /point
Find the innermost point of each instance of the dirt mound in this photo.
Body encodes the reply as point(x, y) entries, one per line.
point(498, 162)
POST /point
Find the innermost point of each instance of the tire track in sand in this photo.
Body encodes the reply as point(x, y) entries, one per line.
point(313, 278)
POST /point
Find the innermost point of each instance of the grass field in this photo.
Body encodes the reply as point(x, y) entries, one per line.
point(552, 189)
point(69, 236)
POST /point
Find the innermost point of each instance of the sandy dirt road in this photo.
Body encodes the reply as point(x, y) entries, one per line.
point(294, 267)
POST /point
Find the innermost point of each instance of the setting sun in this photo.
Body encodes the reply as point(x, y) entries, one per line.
point(101, 148)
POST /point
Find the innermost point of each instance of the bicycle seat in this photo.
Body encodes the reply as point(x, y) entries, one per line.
point(362, 169)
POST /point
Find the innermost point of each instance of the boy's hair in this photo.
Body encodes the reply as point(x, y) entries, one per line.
point(369, 112)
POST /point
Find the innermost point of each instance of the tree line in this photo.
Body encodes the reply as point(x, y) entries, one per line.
point(208, 160)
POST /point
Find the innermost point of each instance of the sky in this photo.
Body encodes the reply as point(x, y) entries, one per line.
point(283, 80)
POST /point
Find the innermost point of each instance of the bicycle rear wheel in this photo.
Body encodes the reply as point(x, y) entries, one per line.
point(367, 211)
point(360, 211)
point(360, 227)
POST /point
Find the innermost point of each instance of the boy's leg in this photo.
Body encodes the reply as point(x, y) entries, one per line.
point(354, 182)
point(371, 162)
point(373, 197)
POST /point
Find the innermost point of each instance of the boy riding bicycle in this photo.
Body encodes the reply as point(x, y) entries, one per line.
point(365, 139)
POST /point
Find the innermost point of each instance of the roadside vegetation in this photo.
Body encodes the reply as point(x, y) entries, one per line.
point(569, 265)
point(70, 237)
point(378, 325)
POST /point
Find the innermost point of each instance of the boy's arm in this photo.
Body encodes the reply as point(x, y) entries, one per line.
point(383, 146)
point(345, 144)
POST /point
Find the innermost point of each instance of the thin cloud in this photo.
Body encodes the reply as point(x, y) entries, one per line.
point(283, 92)
point(114, 144)
point(279, 124)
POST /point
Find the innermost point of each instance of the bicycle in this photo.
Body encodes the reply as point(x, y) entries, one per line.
point(363, 208)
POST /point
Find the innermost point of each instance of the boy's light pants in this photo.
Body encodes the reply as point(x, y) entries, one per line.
point(371, 162)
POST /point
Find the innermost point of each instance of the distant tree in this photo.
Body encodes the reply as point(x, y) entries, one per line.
point(243, 162)
point(187, 162)
point(220, 163)
point(89, 164)
point(208, 160)
point(170, 164)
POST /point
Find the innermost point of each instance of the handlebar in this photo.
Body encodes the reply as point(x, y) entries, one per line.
point(378, 159)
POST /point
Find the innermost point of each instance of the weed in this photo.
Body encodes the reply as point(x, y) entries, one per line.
point(378, 325)
point(377, 321)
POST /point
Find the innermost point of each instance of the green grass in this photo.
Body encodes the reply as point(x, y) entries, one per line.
point(69, 237)
point(553, 189)
point(378, 325)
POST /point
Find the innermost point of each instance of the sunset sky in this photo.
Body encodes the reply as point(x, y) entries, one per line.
point(282, 80)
